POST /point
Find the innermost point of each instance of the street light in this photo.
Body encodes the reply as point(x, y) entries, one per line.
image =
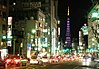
point(33, 31)
point(14, 3)
point(65, 42)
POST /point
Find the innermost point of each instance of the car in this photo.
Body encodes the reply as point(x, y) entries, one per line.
point(55, 59)
point(34, 60)
point(24, 61)
point(2, 63)
point(96, 60)
point(86, 59)
point(12, 60)
point(45, 60)
point(63, 58)
point(96, 63)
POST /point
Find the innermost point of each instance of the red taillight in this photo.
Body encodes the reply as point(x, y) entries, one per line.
point(8, 61)
point(17, 60)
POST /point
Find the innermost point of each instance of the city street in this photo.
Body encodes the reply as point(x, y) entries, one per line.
point(66, 65)
point(49, 34)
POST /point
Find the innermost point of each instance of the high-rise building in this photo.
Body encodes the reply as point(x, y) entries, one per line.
point(93, 28)
point(68, 32)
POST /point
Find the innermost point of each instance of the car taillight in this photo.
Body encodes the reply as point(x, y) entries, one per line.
point(17, 60)
point(8, 60)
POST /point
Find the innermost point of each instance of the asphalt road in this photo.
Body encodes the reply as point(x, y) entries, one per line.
point(66, 65)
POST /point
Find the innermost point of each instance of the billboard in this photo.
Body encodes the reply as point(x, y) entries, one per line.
point(9, 31)
point(85, 30)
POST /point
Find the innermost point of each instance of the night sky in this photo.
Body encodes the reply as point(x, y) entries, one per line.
point(78, 15)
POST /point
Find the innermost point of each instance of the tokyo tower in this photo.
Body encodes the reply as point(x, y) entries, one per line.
point(68, 33)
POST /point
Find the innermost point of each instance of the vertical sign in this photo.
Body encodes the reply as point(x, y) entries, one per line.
point(9, 31)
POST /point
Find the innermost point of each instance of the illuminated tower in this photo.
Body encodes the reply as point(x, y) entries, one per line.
point(68, 34)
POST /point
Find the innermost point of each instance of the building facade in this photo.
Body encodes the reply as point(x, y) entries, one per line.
point(93, 28)
point(36, 21)
point(3, 25)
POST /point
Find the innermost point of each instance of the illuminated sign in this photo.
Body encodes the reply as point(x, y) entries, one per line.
point(9, 20)
point(85, 30)
point(8, 43)
point(9, 31)
point(58, 30)
point(29, 46)
point(31, 4)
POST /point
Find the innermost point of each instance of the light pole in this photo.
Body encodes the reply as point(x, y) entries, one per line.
point(14, 46)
